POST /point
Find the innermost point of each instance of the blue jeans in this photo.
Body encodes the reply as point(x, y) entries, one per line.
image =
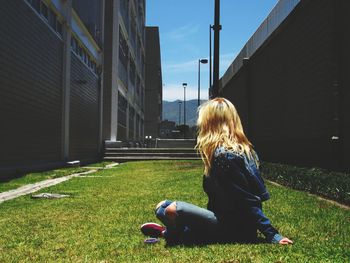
point(194, 224)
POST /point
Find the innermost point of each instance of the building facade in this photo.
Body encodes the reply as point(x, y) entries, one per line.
point(124, 71)
point(154, 83)
point(71, 78)
point(167, 130)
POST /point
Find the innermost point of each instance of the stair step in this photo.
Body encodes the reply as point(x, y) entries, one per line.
point(141, 150)
point(139, 154)
point(146, 158)
point(151, 154)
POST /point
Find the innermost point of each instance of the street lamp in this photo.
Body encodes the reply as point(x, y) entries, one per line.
point(184, 85)
point(180, 102)
point(210, 57)
point(203, 61)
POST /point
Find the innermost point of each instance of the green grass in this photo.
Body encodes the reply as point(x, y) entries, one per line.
point(100, 221)
point(31, 178)
point(329, 184)
point(100, 165)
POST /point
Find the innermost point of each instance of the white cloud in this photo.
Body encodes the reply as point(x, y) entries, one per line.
point(182, 32)
point(173, 92)
point(173, 89)
point(192, 65)
point(187, 66)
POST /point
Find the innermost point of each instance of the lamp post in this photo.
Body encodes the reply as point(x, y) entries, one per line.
point(180, 102)
point(203, 61)
point(217, 28)
point(210, 58)
point(184, 85)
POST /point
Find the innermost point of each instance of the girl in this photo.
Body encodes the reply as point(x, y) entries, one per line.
point(232, 182)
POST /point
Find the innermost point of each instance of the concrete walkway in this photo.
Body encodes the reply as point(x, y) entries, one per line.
point(31, 188)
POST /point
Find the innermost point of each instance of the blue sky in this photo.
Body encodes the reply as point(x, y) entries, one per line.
point(184, 38)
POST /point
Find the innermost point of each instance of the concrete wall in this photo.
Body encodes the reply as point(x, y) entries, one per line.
point(31, 94)
point(123, 23)
point(344, 59)
point(30, 88)
point(84, 112)
point(285, 92)
point(154, 84)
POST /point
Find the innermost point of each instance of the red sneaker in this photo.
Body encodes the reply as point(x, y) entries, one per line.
point(152, 230)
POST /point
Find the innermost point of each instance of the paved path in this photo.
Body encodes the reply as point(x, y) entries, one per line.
point(31, 188)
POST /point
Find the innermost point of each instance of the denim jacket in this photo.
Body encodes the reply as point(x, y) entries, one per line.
point(234, 187)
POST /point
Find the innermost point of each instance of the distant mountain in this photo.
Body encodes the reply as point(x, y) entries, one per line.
point(171, 111)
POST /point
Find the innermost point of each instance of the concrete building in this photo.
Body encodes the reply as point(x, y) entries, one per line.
point(291, 87)
point(71, 78)
point(124, 71)
point(154, 83)
point(167, 129)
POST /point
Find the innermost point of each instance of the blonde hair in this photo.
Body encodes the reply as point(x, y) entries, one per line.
point(219, 125)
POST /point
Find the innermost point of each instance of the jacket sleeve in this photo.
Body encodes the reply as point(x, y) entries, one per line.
point(233, 182)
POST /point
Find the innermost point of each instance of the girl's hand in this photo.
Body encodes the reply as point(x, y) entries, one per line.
point(285, 241)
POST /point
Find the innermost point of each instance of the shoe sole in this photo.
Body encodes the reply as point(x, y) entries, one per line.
point(152, 229)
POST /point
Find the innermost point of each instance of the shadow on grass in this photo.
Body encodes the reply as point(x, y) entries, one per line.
point(196, 243)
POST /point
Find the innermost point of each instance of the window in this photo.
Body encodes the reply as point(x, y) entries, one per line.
point(123, 49)
point(92, 65)
point(52, 19)
point(84, 55)
point(44, 10)
point(133, 34)
point(59, 27)
point(132, 72)
point(122, 107)
point(94, 68)
point(76, 47)
point(123, 59)
point(143, 66)
point(137, 126)
point(138, 89)
point(73, 43)
point(80, 51)
point(124, 10)
point(131, 122)
point(50, 16)
point(138, 53)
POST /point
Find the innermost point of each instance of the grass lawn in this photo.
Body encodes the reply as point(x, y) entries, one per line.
point(100, 165)
point(100, 221)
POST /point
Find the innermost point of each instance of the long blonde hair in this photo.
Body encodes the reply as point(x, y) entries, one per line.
point(219, 125)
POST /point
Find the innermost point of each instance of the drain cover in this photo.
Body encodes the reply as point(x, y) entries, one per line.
point(49, 196)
